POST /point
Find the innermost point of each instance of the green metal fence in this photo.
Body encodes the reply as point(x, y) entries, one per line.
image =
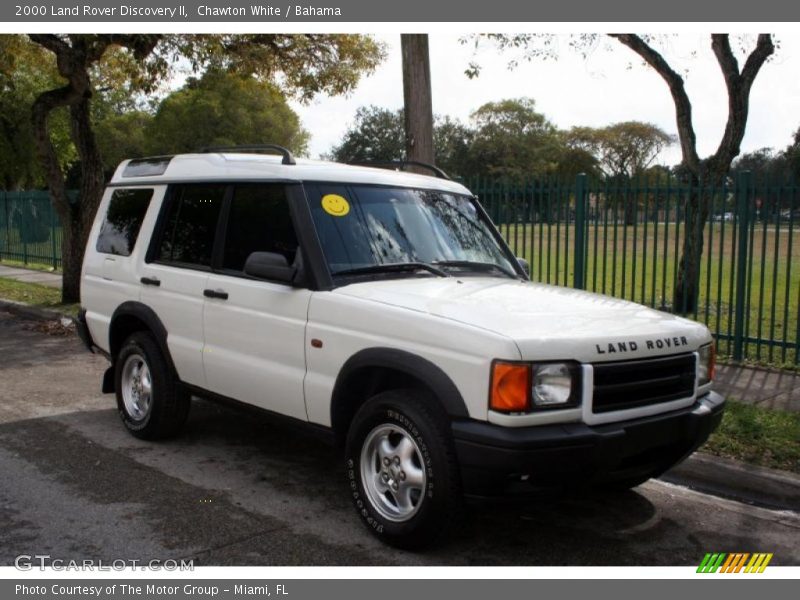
point(621, 238)
point(624, 239)
point(30, 230)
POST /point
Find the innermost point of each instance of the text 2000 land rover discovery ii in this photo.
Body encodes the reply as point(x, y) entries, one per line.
point(383, 309)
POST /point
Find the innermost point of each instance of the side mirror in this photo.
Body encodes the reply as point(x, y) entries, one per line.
point(525, 266)
point(271, 266)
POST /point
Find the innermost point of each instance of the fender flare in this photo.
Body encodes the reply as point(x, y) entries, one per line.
point(410, 364)
point(148, 316)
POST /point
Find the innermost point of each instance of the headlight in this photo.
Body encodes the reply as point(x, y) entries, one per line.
point(519, 387)
point(554, 385)
point(706, 364)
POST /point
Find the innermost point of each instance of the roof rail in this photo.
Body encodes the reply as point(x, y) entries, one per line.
point(400, 164)
point(288, 157)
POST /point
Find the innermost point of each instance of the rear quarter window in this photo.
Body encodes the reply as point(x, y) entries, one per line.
point(123, 220)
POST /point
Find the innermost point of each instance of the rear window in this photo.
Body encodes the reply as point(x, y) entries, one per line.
point(123, 221)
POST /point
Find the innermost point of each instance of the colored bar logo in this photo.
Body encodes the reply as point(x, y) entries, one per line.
point(735, 562)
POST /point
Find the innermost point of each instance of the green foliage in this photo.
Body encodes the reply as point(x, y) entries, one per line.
point(511, 140)
point(305, 64)
point(35, 295)
point(122, 136)
point(623, 149)
point(770, 164)
point(378, 134)
point(507, 139)
point(451, 142)
point(129, 71)
point(792, 155)
point(766, 437)
point(25, 70)
point(224, 109)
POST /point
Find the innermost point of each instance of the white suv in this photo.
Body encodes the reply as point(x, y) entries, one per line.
point(383, 310)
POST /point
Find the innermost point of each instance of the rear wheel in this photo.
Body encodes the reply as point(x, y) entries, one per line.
point(150, 401)
point(402, 469)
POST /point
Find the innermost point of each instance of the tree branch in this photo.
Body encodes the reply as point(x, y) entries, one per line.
point(683, 107)
point(721, 45)
point(44, 104)
point(141, 45)
point(738, 86)
point(763, 50)
point(50, 41)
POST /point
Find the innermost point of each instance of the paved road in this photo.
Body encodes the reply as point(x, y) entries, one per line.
point(237, 490)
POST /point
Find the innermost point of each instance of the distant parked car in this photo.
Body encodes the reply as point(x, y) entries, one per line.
point(728, 216)
point(790, 214)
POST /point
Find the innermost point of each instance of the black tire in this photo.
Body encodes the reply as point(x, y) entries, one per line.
point(169, 403)
point(416, 415)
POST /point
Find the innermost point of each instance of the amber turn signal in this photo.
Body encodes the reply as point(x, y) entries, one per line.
point(511, 386)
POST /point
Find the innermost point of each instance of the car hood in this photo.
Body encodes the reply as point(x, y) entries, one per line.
point(545, 321)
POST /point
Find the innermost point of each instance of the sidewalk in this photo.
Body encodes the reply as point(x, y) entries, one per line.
point(30, 276)
point(767, 388)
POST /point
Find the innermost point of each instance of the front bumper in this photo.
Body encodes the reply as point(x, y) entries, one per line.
point(499, 460)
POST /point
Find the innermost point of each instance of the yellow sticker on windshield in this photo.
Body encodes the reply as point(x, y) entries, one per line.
point(335, 205)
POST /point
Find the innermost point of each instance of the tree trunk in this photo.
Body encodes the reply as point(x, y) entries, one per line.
point(90, 193)
point(76, 219)
point(696, 209)
point(417, 98)
point(686, 292)
point(72, 249)
point(44, 104)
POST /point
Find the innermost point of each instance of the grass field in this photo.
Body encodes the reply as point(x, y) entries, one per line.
point(765, 437)
point(638, 262)
point(36, 266)
point(35, 295)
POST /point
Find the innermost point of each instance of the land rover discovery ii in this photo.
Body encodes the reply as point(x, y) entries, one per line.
point(383, 310)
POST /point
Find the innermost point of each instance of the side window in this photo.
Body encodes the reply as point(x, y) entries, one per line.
point(259, 221)
point(191, 223)
point(123, 221)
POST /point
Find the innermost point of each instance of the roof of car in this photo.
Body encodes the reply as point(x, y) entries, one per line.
point(240, 166)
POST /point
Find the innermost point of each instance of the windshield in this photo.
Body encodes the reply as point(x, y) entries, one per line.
point(364, 226)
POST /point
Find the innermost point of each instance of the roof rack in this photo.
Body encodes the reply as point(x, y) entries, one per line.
point(288, 157)
point(400, 164)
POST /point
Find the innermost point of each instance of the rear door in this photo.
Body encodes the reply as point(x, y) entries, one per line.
point(177, 269)
point(254, 329)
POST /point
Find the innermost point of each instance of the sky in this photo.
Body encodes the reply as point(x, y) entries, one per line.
point(608, 86)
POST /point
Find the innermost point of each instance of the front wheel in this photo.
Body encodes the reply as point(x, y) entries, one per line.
point(402, 469)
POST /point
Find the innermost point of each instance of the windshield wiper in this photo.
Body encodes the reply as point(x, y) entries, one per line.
point(394, 268)
point(476, 266)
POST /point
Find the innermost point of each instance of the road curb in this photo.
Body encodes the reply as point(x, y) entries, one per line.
point(739, 481)
point(35, 313)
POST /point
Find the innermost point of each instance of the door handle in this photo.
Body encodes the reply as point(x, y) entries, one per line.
point(220, 294)
point(150, 281)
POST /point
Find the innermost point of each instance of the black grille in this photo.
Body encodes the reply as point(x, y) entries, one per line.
point(634, 383)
